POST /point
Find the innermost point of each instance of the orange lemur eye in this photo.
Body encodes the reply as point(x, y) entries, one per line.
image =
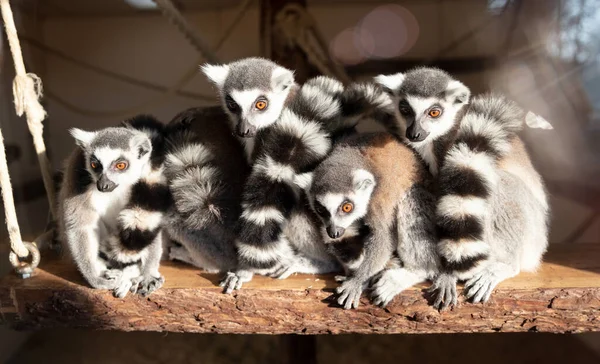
point(94, 165)
point(347, 207)
point(434, 113)
point(121, 166)
point(261, 104)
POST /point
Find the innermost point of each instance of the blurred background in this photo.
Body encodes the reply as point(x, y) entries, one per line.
point(102, 61)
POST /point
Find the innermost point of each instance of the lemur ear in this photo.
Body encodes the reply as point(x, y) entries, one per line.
point(82, 138)
point(141, 144)
point(390, 83)
point(363, 180)
point(281, 78)
point(217, 74)
point(457, 92)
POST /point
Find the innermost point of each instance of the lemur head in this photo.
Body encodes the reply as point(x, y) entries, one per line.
point(253, 92)
point(340, 192)
point(114, 156)
point(428, 99)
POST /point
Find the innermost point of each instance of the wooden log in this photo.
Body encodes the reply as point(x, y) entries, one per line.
point(564, 296)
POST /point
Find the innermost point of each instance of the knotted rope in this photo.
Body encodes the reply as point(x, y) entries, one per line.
point(27, 89)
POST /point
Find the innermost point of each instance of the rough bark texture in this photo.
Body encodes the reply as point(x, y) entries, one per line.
point(564, 296)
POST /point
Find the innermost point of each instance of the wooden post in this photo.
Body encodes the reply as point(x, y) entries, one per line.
point(274, 46)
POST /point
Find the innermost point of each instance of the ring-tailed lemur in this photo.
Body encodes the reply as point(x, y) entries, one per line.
point(206, 169)
point(492, 210)
point(288, 130)
point(98, 219)
point(372, 195)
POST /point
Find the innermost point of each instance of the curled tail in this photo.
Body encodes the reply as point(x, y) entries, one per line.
point(194, 181)
point(371, 100)
point(469, 176)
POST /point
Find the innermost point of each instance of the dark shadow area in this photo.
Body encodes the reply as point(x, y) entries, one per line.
point(82, 346)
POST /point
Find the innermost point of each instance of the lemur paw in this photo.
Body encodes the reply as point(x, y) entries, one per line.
point(349, 293)
point(112, 274)
point(443, 292)
point(384, 288)
point(234, 281)
point(479, 288)
point(123, 288)
point(149, 284)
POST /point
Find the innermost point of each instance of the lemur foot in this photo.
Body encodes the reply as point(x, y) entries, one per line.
point(443, 291)
point(480, 287)
point(349, 293)
point(234, 281)
point(109, 279)
point(385, 287)
point(149, 284)
point(123, 288)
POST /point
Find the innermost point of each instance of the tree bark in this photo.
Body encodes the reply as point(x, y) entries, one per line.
point(564, 296)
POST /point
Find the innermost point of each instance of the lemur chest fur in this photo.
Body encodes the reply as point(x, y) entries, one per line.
point(109, 205)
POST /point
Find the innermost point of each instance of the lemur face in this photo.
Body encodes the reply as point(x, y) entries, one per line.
point(428, 100)
point(114, 156)
point(341, 212)
point(253, 92)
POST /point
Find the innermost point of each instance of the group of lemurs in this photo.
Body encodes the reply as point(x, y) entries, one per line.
point(278, 181)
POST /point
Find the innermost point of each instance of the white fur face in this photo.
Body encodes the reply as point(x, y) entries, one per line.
point(115, 157)
point(426, 117)
point(339, 211)
point(251, 103)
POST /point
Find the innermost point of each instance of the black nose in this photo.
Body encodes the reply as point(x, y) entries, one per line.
point(335, 232)
point(246, 130)
point(416, 135)
point(105, 185)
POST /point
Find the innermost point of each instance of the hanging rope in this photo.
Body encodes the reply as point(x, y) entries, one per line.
point(170, 11)
point(297, 26)
point(27, 89)
point(166, 93)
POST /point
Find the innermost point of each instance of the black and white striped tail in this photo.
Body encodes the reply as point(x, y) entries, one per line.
point(468, 178)
point(141, 220)
point(194, 181)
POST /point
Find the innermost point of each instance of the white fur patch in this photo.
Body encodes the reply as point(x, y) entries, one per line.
point(140, 219)
point(455, 251)
point(261, 215)
point(217, 74)
point(274, 170)
point(425, 150)
point(435, 127)
point(309, 132)
point(459, 206)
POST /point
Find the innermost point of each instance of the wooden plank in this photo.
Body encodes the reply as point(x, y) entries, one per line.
point(564, 296)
